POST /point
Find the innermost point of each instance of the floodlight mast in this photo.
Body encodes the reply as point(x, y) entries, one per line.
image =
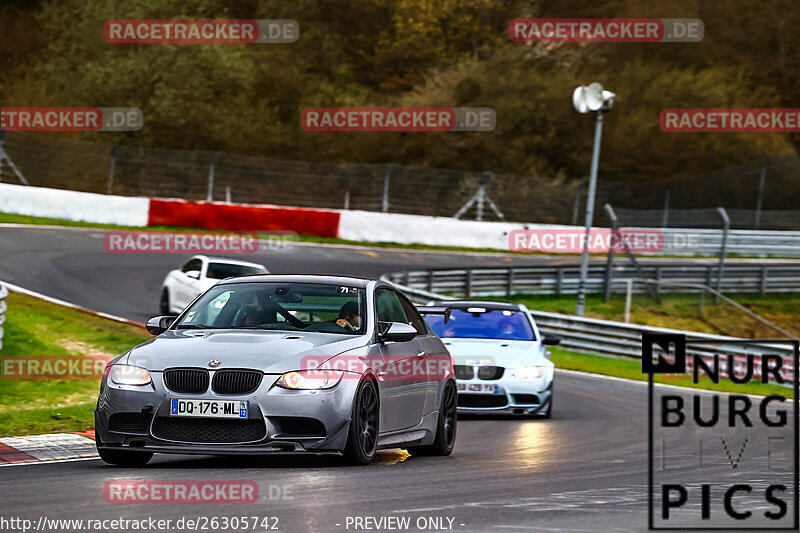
point(585, 99)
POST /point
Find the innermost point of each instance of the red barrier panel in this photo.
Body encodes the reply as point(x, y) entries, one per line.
point(242, 217)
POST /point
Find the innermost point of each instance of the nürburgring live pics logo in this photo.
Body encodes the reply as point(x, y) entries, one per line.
point(722, 460)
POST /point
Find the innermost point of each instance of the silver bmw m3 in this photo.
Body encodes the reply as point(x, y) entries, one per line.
point(282, 364)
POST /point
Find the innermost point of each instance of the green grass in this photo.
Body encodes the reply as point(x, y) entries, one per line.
point(34, 327)
point(682, 311)
point(632, 369)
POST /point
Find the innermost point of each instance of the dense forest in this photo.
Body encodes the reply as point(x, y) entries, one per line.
point(247, 98)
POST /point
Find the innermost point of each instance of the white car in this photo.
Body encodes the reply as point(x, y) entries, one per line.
point(198, 274)
point(502, 362)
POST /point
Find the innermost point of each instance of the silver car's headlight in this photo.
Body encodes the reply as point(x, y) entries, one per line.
point(528, 372)
point(129, 375)
point(310, 379)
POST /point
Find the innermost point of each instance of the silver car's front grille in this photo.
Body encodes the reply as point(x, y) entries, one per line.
point(186, 380)
point(209, 430)
point(236, 381)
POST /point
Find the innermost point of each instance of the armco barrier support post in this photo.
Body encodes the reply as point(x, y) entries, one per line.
point(210, 195)
point(726, 224)
point(468, 284)
point(665, 213)
point(610, 257)
point(628, 292)
point(510, 282)
point(762, 289)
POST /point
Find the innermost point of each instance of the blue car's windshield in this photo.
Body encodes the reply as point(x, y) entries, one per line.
point(480, 323)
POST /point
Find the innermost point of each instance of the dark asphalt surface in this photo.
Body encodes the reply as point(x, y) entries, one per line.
point(583, 470)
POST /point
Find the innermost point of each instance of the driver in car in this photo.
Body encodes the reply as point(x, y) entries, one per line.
point(349, 317)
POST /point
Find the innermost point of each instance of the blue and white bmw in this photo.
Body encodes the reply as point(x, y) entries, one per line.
point(501, 360)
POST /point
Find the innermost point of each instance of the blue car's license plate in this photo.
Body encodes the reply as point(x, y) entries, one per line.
point(208, 408)
point(477, 388)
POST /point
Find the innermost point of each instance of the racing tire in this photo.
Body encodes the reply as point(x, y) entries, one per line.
point(164, 306)
point(445, 439)
point(362, 436)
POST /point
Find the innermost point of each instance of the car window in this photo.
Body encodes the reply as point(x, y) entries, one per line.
point(277, 305)
point(193, 264)
point(229, 270)
point(481, 323)
point(388, 307)
point(413, 316)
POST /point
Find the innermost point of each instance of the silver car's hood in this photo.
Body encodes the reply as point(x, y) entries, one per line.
point(269, 351)
point(495, 352)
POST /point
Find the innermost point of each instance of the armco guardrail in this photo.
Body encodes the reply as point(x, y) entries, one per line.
point(563, 279)
point(606, 337)
point(3, 306)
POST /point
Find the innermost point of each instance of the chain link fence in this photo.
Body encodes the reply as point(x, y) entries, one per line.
point(759, 194)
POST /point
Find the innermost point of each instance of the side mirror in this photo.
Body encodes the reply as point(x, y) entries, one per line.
point(159, 324)
point(194, 274)
point(551, 340)
point(398, 332)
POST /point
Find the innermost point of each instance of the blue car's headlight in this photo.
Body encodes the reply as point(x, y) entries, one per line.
point(129, 375)
point(310, 379)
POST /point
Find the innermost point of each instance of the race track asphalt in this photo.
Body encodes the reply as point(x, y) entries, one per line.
point(583, 470)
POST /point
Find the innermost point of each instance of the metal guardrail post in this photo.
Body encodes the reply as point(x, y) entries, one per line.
point(111, 165)
point(763, 285)
point(576, 206)
point(761, 182)
point(665, 213)
point(510, 282)
point(559, 280)
point(468, 284)
point(726, 224)
point(628, 293)
point(210, 195)
point(386, 178)
point(609, 274)
point(430, 281)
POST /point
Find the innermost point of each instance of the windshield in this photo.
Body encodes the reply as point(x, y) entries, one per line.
point(279, 306)
point(229, 270)
point(483, 324)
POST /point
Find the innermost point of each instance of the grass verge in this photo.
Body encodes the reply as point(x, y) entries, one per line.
point(35, 327)
point(632, 369)
point(682, 311)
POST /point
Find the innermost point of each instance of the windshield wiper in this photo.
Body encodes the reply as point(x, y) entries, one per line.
point(193, 326)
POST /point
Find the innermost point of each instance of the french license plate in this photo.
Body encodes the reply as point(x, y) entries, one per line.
point(208, 408)
point(478, 388)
